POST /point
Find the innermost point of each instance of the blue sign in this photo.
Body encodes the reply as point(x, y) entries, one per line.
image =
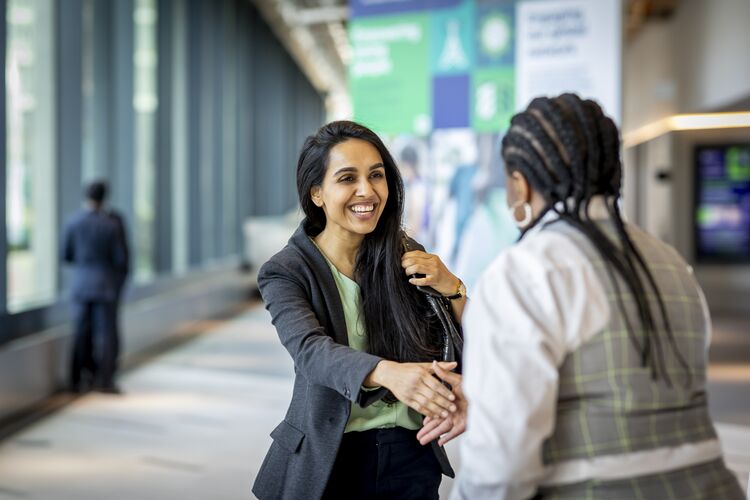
point(450, 107)
point(723, 203)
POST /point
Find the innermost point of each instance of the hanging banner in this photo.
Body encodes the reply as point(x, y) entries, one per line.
point(439, 80)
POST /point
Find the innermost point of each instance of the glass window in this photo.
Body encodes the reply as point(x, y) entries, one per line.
point(145, 102)
point(93, 140)
point(179, 128)
point(228, 214)
point(30, 118)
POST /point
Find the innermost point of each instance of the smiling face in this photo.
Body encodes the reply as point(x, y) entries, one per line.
point(354, 190)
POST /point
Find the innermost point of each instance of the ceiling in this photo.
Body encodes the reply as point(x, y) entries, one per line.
point(639, 12)
point(314, 32)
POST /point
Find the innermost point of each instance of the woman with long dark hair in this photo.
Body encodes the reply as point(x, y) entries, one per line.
point(343, 297)
point(587, 351)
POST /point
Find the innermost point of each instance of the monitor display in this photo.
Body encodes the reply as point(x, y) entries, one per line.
point(722, 203)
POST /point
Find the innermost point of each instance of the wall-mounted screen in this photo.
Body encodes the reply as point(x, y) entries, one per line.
point(722, 203)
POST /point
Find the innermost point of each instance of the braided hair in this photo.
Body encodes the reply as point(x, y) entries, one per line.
point(569, 152)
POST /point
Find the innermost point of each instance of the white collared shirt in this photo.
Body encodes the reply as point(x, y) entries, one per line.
point(536, 303)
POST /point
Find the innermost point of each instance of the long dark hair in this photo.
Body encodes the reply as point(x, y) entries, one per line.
point(569, 152)
point(394, 313)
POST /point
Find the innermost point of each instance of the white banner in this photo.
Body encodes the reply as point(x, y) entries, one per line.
point(570, 46)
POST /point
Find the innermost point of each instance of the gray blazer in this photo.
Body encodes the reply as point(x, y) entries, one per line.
point(300, 293)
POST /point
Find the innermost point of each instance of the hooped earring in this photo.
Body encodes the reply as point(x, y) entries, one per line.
point(527, 214)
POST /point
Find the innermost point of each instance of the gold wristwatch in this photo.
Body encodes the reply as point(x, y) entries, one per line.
point(460, 291)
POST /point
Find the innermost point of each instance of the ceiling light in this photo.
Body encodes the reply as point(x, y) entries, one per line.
point(706, 121)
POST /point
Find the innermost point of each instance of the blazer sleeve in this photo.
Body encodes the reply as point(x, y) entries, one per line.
point(316, 355)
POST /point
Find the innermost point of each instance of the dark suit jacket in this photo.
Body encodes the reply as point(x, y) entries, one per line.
point(93, 245)
point(300, 293)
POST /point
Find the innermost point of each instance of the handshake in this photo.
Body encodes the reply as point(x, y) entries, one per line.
point(445, 428)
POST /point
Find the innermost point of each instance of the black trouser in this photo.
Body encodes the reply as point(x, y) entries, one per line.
point(95, 345)
point(384, 463)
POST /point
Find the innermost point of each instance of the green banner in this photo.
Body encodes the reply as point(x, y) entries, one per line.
point(493, 98)
point(389, 77)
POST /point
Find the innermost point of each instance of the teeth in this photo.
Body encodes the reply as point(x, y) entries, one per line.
point(363, 208)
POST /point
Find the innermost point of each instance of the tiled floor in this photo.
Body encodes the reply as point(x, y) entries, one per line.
point(194, 424)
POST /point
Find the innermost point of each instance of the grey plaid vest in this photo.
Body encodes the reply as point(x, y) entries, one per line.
point(607, 403)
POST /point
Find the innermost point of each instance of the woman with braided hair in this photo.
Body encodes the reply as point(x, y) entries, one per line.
point(587, 340)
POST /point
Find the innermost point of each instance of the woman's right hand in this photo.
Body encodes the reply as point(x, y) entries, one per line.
point(447, 428)
point(414, 385)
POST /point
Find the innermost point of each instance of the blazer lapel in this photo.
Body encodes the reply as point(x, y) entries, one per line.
point(319, 266)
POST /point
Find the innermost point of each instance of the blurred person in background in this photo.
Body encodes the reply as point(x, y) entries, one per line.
point(416, 205)
point(342, 295)
point(94, 246)
point(587, 341)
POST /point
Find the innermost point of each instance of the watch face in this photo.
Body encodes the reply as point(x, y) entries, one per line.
point(462, 289)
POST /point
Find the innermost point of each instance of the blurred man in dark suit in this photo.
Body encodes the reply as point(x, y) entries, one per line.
point(94, 244)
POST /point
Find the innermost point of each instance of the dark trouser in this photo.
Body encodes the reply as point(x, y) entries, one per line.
point(384, 463)
point(95, 345)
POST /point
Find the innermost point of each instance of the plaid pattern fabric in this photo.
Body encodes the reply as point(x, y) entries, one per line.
point(607, 403)
point(710, 480)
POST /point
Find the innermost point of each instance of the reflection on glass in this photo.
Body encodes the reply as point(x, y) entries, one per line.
point(30, 219)
point(145, 103)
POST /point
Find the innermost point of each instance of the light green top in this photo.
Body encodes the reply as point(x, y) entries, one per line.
point(379, 415)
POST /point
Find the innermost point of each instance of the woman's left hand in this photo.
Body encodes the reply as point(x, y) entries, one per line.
point(436, 275)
